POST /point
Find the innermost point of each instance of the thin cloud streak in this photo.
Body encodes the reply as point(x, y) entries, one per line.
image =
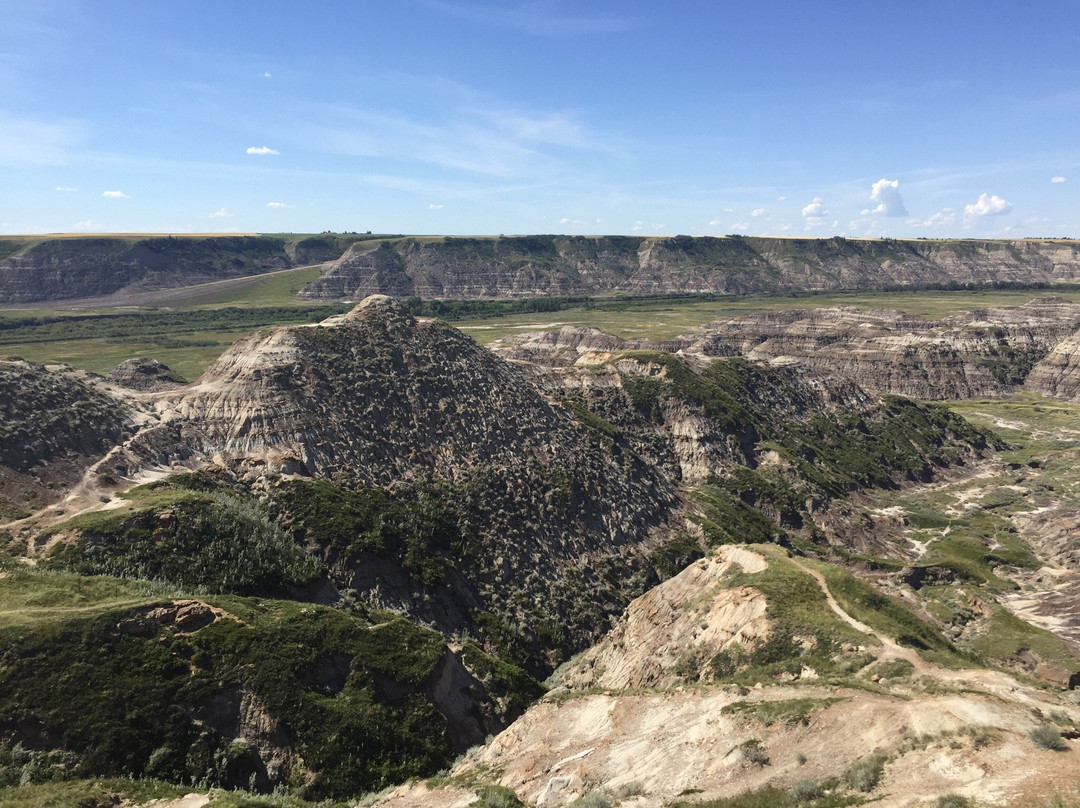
point(538, 19)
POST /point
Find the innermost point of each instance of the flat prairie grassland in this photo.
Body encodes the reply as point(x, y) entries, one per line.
point(101, 355)
point(654, 318)
point(660, 319)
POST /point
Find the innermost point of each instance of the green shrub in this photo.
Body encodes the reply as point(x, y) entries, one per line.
point(1047, 736)
point(954, 801)
point(497, 797)
point(806, 790)
point(754, 752)
point(866, 773)
point(635, 788)
point(598, 798)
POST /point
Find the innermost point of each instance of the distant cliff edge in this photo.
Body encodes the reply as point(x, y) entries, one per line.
point(34, 269)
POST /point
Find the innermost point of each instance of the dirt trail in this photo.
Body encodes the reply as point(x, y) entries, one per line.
point(990, 681)
point(893, 649)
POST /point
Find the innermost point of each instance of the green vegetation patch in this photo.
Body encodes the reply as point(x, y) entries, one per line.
point(1007, 636)
point(772, 797)
point(100, 793)
point(512, 689)
point(889, 616)
point(795, 598)
point(785, 711)
point(124, 694)
point(199, 542)
point(421, 527)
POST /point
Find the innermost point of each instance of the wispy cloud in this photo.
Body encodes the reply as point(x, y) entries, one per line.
point(943, 218)
point(261, 150)
point(538, 18)
point(115, 195)
point(36, 143)
point(433, 206)
point(1057, 180)
point(86, 226)
point(221, 213)
point(493, 141)
point(277, 205)
point(758, 212)
point(66, 188)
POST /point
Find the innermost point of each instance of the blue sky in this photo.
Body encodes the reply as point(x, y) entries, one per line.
point(943, 119)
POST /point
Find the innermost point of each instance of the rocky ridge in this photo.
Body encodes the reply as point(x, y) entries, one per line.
point(41, 269)
point(988, 353)
point(529, 266)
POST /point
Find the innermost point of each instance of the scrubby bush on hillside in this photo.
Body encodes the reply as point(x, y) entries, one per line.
point(1047, 736)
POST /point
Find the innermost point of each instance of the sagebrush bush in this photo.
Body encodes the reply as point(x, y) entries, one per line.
point(1047, 736)
point(866, 773)
point(599, 798)
point(806, 790)
point(754, 752)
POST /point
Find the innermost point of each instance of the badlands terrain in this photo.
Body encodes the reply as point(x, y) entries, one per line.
point(821, 556)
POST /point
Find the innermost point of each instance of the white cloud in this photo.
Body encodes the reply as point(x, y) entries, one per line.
point(433, 206)
point(715, 223)
point(1057, 180)
point(87, 226)
point(261, 150)
point(116, 195)
point(637, 226)
point(66, 188)
point(221, 213)
point(277, 205)
point(758, 212)
point(737, 226)
point(266, 75)
point(887, 194)
point(815, 213)
point(781, 199)
point(986, 205)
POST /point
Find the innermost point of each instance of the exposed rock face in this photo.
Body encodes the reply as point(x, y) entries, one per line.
point(1058, 374)
point(59, 269)
point(528, 266)
point(693, 610)
point(146, 374)
point(985, 354)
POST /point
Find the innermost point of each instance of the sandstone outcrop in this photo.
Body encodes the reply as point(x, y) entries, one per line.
point(693, 612)
point(530, 266)
point(983, 354)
